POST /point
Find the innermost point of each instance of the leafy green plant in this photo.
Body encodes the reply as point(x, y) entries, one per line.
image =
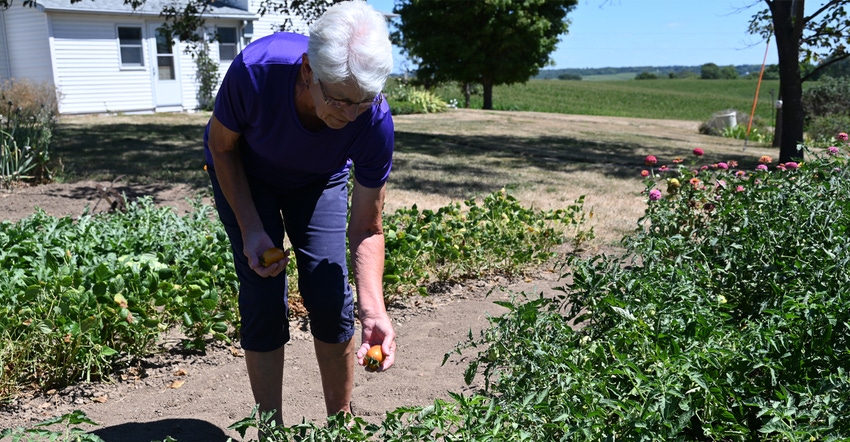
point(756, 134)
point(78, 296)
point(407, 99)
point(207, 76)
point(453, 243)
point(41, 431)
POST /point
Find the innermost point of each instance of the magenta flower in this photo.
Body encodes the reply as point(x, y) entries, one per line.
point(833, 150)
point(644, 173)
point(650, 160)
point(842, 136)
point(703, 168)
point(762, 167)
point(792, 165)
point(698, 152)
point(654, 195)
point(723, 166)
point(663, 168)
point(739, 188)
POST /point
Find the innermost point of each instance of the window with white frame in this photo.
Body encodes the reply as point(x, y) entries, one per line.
point(227, 49)
point(130, 44)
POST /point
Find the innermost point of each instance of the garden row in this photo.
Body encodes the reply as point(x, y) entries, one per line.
point(79, 297)
point(728, 318)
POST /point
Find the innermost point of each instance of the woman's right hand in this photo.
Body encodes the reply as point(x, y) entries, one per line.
point(255, 243)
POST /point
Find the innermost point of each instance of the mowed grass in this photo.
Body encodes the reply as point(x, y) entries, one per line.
point(685, 99)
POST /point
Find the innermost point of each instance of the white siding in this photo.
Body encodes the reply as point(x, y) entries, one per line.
point(270, 23)
point(89, 73)
point(28, 43)
point(188, 78)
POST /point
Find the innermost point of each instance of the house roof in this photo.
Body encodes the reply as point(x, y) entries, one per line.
point(151, 7)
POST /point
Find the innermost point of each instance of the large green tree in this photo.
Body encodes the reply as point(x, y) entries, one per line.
point(487, 42)
point(821, 37)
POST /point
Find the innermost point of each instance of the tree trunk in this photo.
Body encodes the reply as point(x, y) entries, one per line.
point(788, 27)
point(488, 94)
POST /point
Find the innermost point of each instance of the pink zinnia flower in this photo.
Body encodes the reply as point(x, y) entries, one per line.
point(739, 188)
point(781, 167)
point(723, 166)
point(792, 165)
point(694, 182)
point(650, 160)
point(762, 167)
point(833, 150)
point(677, 160)
point(740, 173)
point(644, 173)
point(842, 136)
point(663, 168)
point(698, 152)
point(654, 195)
point(733, 163)
point(703, 168)
point(765, 159)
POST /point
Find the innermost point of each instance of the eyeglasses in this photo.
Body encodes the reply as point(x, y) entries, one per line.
point(340, 104)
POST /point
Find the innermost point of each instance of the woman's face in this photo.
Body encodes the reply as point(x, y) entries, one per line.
point(339, 104)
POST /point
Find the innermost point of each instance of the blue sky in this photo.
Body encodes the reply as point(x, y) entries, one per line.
point(622, 33)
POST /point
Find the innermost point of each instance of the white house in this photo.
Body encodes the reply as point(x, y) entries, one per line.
point(105, 57)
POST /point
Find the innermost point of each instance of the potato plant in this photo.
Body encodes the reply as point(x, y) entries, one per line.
point(79, 297)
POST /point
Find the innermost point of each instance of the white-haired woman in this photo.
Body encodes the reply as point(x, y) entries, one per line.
point(292, 116)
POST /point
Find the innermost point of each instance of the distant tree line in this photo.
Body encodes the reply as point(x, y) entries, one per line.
point(708, 71)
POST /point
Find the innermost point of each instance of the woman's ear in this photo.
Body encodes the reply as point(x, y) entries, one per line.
point(306, 70)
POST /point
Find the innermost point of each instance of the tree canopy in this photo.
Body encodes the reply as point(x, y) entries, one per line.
point(823, 36)
point(489, 42)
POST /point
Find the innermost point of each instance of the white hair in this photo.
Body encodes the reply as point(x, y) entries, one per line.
point(351, 42)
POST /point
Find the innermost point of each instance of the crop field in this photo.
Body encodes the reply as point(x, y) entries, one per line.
point(685, 99)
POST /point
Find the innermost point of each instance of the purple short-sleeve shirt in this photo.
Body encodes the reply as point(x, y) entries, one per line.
point(256, 99)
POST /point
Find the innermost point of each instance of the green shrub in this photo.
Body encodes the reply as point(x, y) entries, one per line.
point(207, 76)
point(822, 129)
point(646, 76)
point(827, 97)
point(406, 99)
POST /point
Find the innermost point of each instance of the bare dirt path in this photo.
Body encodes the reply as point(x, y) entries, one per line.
point(141, 405)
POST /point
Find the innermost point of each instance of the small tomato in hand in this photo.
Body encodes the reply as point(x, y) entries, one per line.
point(272, 256)
point(374, 357)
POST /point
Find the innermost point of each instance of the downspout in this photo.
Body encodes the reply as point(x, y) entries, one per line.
point(6, 45)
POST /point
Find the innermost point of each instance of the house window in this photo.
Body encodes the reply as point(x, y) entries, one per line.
point(130, 43)
point(227, 44)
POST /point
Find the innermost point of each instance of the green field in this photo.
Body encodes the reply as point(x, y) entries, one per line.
point(686, 99)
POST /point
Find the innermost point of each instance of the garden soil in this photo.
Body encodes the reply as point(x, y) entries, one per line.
point(195, 397)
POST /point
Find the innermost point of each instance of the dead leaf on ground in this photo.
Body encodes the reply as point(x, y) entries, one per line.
point(181, 372)
point(100, 399)
point(177, 384)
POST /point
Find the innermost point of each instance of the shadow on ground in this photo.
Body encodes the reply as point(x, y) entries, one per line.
point(168, 153)
point(183, 430)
